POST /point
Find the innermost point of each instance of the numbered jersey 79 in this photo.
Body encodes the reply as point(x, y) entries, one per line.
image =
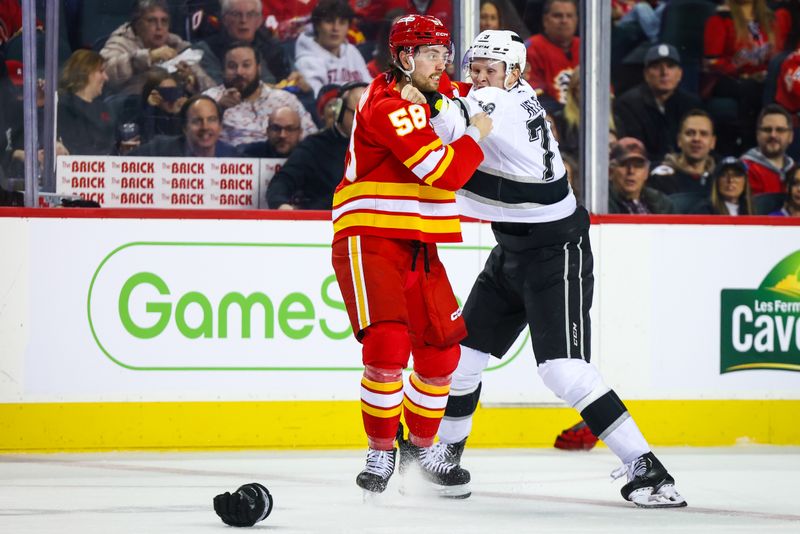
point(522, 177)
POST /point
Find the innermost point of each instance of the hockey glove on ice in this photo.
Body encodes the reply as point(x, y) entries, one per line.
point(247, 506)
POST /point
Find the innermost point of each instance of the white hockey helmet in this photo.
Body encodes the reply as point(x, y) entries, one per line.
point(500, 45)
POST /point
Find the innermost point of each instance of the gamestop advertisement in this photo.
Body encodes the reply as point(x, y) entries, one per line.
point(206, 309)
point(149, 309)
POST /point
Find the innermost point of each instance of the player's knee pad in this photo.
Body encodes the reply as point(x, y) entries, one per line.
point(574, 381)
point(386, 344)
point(430, 361)
point(467, 375)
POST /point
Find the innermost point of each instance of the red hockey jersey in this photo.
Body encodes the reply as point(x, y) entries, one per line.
point(551, 69)
point(399, 179)
point(724, 54)
point(787, 93)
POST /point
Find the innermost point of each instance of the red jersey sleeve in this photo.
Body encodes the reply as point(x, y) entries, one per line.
point(404, 127)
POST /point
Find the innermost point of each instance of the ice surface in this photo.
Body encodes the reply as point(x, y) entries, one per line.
point(740, 489)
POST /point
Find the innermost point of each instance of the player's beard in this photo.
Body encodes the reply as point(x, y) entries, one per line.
point(426, 84)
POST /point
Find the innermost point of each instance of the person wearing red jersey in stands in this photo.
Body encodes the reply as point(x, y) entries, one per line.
point(554, 53)
point(394, 203)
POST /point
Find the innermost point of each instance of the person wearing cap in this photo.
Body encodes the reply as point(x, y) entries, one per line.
point(629, 167)
point(689, 169)
point(554, 53)
point(730, 193)
point(324, 55)
point(326, 100)
point(768, 162)
point(652, 111)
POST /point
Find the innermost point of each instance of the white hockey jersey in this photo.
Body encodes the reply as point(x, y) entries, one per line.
point(522, 177)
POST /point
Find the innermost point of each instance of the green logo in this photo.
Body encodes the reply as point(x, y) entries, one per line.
point(760, 328)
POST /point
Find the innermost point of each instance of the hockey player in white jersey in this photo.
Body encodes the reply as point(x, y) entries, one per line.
point(541, 271)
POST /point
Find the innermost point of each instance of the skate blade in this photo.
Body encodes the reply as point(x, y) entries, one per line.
point(414, 485)
point(665, 497)
point(461, 491)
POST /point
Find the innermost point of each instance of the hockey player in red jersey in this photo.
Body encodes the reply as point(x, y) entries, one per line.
point(395, 202)
point(539, 275)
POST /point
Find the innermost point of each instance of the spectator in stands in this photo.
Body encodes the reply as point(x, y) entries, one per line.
point(143, 42)
point(85, 124)
point(10, 19)
point(283, 134)
point(689, 169)
point(642, 17)
point(628, 193)
point(768, 162)
point(730, 193)
point(326, 104)
point(787, 90)
point(315, 168)
point(202, 126)
point(791, 206)
point(248, 101)
point(738, 44)
point(554, 53)
point(243, 21)
point(324, 56)
point(502, 15)
point(287, 19)
point(652, 111)
point(14, 121)
point(162, 98)
point(568, 119)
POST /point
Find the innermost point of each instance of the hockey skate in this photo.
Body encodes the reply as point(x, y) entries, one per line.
point(375, 476)
point(649, 485)
point(438, 465)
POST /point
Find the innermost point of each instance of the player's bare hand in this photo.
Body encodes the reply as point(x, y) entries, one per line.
point(412, 94)
point(482, 122)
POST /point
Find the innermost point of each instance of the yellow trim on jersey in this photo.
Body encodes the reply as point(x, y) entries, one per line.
point(381, 386)
point(424, 412)
point(358, 281)
point(428, 389)
point(383, 413)
point(377, 189)
point(446, 160)
point(422, 152)
point(399, 222)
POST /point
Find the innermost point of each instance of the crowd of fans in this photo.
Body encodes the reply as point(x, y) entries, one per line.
point(705, 94)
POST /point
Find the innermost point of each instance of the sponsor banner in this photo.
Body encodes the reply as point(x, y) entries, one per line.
point(172, 310)
point(760, 328)
point(268, 169)
point(191, 309)
point(121, 181)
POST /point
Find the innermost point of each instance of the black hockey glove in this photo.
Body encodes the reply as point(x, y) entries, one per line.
point(434, 102)
point(247, 506)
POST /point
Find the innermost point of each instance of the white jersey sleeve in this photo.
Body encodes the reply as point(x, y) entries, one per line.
point(522, 177)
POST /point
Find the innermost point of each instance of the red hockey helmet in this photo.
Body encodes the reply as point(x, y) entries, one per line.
point(412, 31)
